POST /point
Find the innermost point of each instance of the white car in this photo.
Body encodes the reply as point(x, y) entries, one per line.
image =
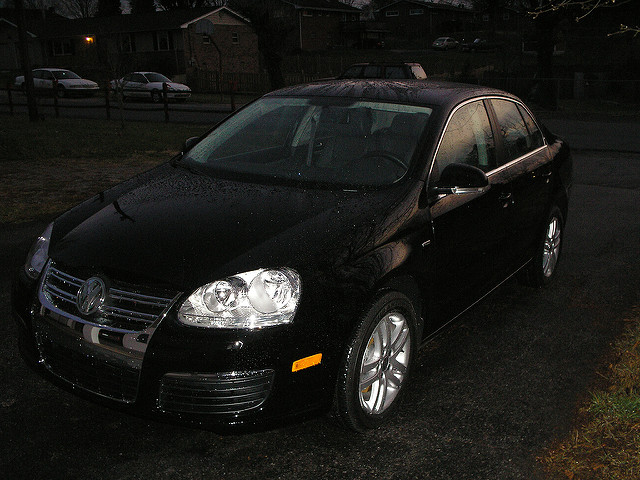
point(64, 81)
point(149, 85)
point(444, 43)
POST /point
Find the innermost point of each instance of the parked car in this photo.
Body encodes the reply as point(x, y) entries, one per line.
point(479, 44)
point(149, 85)
point(444, 43)
point(385, 70)
point(298, 253)
point(65, 82)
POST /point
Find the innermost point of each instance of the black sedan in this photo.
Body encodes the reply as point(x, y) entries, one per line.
point(297, 256)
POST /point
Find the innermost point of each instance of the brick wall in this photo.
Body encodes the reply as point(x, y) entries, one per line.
point(237, 43)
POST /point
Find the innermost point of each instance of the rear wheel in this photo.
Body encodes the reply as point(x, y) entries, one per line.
point(543, 267)
point(376, 364)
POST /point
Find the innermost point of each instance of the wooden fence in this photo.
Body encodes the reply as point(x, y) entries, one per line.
point(205, 81)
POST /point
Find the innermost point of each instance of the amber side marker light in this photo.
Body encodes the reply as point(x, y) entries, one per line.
point(306, 362)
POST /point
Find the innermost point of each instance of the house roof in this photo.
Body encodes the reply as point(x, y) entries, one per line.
point(435, 4)
point(35, 19)
point(325, 5)
point(228, 10)
point(145, 22)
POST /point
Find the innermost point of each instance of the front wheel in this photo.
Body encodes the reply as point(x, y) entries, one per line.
point(543, 267)
point(376, 363)
point(156, 96)
point(61, 91)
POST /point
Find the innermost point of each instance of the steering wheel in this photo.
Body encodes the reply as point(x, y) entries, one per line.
point(385, 154)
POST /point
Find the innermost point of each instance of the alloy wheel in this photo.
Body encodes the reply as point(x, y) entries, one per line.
point(384, 363)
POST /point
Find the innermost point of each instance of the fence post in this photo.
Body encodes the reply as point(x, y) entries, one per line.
point(165, 101)
point(107, 91)
point(9, 98)
point(231, 90)
point(55, 98)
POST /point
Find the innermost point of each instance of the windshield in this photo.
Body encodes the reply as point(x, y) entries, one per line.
point(64, 75)
point(327, 140)
point(156, 77)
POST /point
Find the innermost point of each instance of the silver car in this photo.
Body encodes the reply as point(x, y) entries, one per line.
point(149, 85)
point(65, 82)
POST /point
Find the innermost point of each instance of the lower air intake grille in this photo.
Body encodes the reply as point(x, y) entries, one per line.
point(91, 373)
point(220, 393)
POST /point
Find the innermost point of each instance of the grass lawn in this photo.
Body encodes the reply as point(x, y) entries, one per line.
point(606, 442)
point(47, 167)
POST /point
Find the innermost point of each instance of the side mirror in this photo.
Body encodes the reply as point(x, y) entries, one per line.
point(460, 179)
point(189, 143)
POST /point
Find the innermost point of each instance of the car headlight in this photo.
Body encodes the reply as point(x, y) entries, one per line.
point(260, 298)
point(38, 254)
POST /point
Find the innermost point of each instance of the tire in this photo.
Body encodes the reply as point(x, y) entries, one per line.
point(376, 363)
point(60, 92)
point(542, 269)
point(156, 96)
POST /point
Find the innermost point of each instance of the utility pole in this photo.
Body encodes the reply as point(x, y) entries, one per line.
point(26, 61)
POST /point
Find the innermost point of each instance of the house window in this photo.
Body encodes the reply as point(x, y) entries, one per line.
point(485, 18)
point(163, 41)
point(234, 38)
point(127, 43)
point(206, 39)
point(307, 13)
point(416, 11)
point(62, 47)
point(505, 16)
point(391, 13)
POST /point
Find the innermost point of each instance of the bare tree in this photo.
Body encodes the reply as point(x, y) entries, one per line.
point(271, 27)
point(108, 8)
point(142, 6)
point(78, 8)
point(26, 61)
point(582, 9)
point(183, 4)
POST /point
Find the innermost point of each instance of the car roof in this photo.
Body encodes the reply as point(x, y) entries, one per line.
point(414, 92)
point(54, 69)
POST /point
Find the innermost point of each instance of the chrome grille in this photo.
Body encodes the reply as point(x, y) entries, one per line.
point(219, 393)
point(125, 308)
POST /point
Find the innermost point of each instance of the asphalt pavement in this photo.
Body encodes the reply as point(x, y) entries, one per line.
point(486, 399)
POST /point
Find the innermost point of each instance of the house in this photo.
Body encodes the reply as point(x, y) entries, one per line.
point(168, 42)
point(319, 24)
point(9, 51)
point(415, 20)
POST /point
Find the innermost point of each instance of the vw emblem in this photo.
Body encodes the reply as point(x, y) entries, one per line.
point(90, 296)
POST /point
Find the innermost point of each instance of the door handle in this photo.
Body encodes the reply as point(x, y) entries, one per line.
point(506, 198)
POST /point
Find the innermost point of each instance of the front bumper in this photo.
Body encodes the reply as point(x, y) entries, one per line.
point(218, 379)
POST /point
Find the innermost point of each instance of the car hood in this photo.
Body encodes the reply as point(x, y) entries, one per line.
point(180, 229)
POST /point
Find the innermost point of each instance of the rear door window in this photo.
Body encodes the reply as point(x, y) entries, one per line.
point(372, 71)
point(395, 72)
point(516, 138)
point(535, 135)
